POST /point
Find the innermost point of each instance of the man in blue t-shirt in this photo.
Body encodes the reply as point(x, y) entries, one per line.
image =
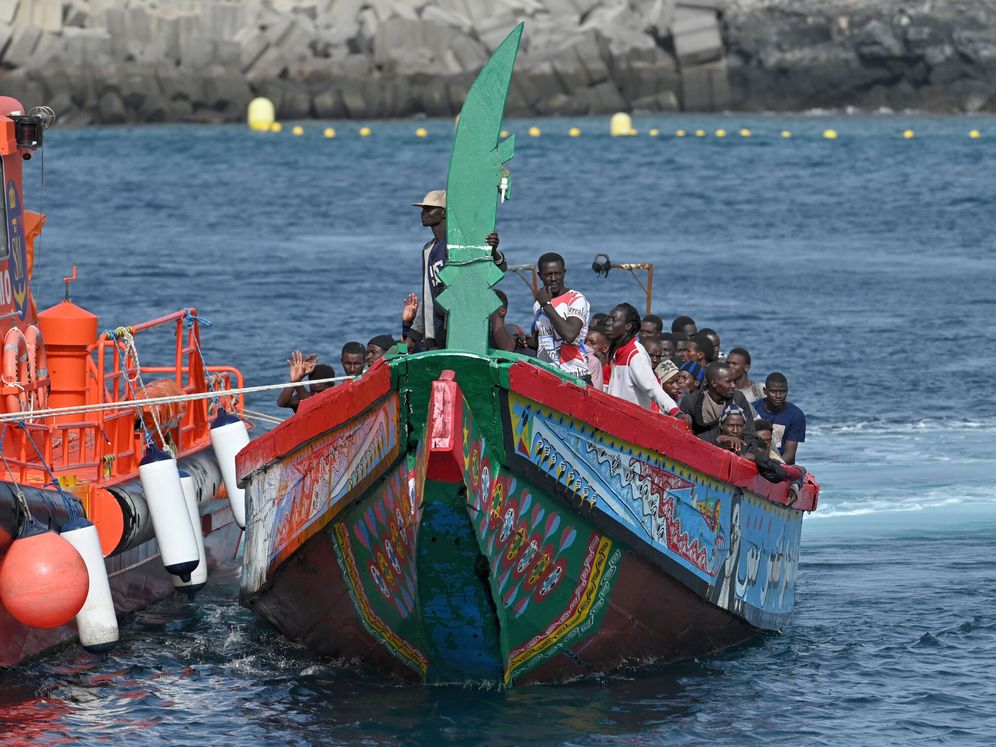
point(788, 421)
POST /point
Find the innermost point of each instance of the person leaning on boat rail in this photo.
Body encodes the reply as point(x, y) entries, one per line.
point(632, 377)
point(560, 320)
point(428, 329)
point(705, 406)
point(301, 366)
point(729, 435)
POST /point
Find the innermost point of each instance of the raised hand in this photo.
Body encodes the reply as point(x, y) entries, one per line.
point(296, 363)
point(410, 310)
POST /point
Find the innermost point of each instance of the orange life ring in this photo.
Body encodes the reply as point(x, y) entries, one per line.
point(37, 367)
point(15, 370)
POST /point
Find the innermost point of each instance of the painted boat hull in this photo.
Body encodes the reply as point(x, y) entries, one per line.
point(136, 576)
point(451, 517)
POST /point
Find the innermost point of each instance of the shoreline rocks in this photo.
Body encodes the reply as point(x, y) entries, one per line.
point(121, 61)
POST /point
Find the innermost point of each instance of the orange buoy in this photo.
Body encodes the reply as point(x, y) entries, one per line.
point(43, 579)
point(168, 414)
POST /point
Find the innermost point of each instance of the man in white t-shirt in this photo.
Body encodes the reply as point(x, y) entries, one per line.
point(560, 320)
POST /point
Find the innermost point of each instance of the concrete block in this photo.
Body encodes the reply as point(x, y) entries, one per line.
point(112, 108)
point(641, 81)
point(697, 39)
point(49, 46)
point(661, 102)
point(394, 35)
point(8, 9)
point(271, 64)
point(23, 16)
point(432, 99)
point(328, 105)
point(608, 97)
point(449, 18)
point(224, 20)
point(351, 92)
point(660, 16)
point(47, 15)
point(252, 43)
point(705, 88)
point(226, 91)
point(713, 5)
point(22, 46)
point(6, 33)
point(469, 53)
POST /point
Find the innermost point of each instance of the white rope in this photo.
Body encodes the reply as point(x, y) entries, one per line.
point(131, 350)
point(261, 416)
point(13, 417)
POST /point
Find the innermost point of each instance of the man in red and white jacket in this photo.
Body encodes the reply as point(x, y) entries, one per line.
point(632, 377)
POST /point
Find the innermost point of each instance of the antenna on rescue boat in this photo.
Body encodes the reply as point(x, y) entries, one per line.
point(68, 280)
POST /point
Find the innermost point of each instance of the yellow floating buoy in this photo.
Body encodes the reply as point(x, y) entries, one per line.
point(633, 133)
point(744, 132)
point(680, 133)
point(720, 133)
point(621, 124)
point(276, 127)
point(700, 133)
point(503, 133)
point(654, 132)
point(421, 132)
point(365, 132)
point(786, 134)
point(260, 114)
point(574, 132)
point(908, 134)
point(975, 134)
point(329, 132)
point(830, 134)
point(534, 131)
point(297, 130)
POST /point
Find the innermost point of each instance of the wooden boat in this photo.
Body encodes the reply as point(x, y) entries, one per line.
point(466, 514)
point(86, 463)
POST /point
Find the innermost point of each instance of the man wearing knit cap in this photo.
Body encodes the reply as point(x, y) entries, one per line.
point(429, 326)
point(377, 347)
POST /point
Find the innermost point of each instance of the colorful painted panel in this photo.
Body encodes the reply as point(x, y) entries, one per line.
point(679, 512)
point(375, 546)
point(291, 500)
point(757, 578)
point(551, 572)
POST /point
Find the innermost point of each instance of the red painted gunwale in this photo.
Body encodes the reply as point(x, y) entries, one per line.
point(660, 433)
point(315, 416)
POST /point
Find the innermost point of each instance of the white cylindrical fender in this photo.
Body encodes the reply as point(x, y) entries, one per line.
point(163, 492)
point(229, 436)
point(96, 621)
point(198, 577)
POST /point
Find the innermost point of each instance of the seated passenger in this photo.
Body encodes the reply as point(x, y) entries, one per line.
point(764, 432)
point(670, 345)
point(787, 420)
point(651, 326)
point(301, 366)
point(691, 376)
point(632, 377)
point(684, 325)
point(699, 350)
point(668, 375)
point(713, 337)
point(739, 361)
point(705, 406)
point(655, 351)
point(730, 436)
point(353, 358)
point(597, 342)
point(377, 347)
point(500, 337)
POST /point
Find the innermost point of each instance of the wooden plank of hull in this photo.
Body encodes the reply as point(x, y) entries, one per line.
point(137, 580)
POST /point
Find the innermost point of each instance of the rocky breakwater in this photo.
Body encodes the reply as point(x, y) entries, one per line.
point(934, 55)
point(119, 61)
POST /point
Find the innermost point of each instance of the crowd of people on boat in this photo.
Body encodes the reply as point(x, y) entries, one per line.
point(683, 373)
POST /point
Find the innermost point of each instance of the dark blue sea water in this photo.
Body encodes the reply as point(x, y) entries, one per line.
point(863, 268)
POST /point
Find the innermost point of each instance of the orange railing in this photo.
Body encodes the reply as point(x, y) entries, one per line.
point(106, 445)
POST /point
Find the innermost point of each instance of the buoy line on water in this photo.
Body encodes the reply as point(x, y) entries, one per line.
point(13, 417)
